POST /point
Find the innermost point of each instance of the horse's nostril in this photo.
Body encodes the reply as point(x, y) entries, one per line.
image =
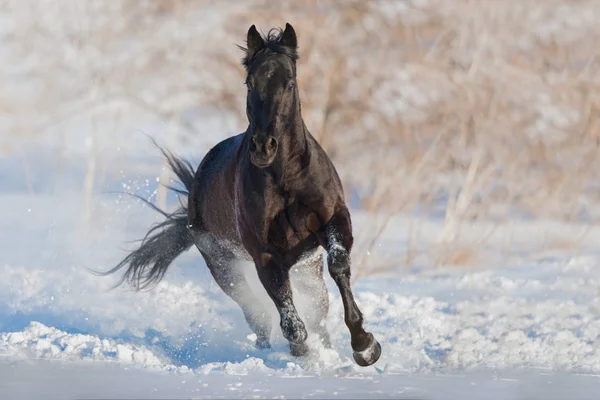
point(253, 144)
point(271, 143)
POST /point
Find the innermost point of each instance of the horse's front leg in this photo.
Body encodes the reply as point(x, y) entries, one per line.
point(339, 244)
point(276, 280)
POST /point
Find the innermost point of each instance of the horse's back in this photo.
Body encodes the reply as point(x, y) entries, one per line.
point(211, 203)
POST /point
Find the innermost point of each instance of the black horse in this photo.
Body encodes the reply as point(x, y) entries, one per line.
point(270, 195)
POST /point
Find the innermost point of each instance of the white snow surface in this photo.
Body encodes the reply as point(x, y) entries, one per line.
point(492, 330)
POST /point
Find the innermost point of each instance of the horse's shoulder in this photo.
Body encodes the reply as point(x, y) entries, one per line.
point(322, 183)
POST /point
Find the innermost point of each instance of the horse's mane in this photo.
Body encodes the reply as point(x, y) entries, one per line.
point(272, 44)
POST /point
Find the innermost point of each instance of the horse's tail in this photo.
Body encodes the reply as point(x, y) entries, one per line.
point(165, 241)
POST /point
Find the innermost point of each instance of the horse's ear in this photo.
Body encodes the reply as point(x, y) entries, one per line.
point(254, 42)
point(288, 38)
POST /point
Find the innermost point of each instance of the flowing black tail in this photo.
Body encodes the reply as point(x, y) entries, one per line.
point(165, 241)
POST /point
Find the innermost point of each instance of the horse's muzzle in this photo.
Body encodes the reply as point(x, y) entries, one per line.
point(262, 150)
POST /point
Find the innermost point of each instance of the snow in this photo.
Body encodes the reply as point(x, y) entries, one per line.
point(493, 329)
point(101, 380)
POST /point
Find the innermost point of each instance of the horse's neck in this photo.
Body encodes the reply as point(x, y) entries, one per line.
point(294, 154)
point(296, 141)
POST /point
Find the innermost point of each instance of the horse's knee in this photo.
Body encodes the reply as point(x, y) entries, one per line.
point(338, 262)
point(338, 253)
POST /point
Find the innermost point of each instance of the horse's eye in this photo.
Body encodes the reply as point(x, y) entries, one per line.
point(291, 86)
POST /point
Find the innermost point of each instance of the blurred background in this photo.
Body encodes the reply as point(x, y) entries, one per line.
point(450, 122)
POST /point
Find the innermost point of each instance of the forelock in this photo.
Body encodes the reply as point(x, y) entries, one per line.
point(272, 45)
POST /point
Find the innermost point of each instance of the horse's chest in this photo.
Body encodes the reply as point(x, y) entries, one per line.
point(292, 225)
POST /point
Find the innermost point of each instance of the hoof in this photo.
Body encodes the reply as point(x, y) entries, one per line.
point(370, 354)
point(298, 349)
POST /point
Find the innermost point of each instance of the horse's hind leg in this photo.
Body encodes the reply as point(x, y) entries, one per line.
point(232, 281)
point(307, 276)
